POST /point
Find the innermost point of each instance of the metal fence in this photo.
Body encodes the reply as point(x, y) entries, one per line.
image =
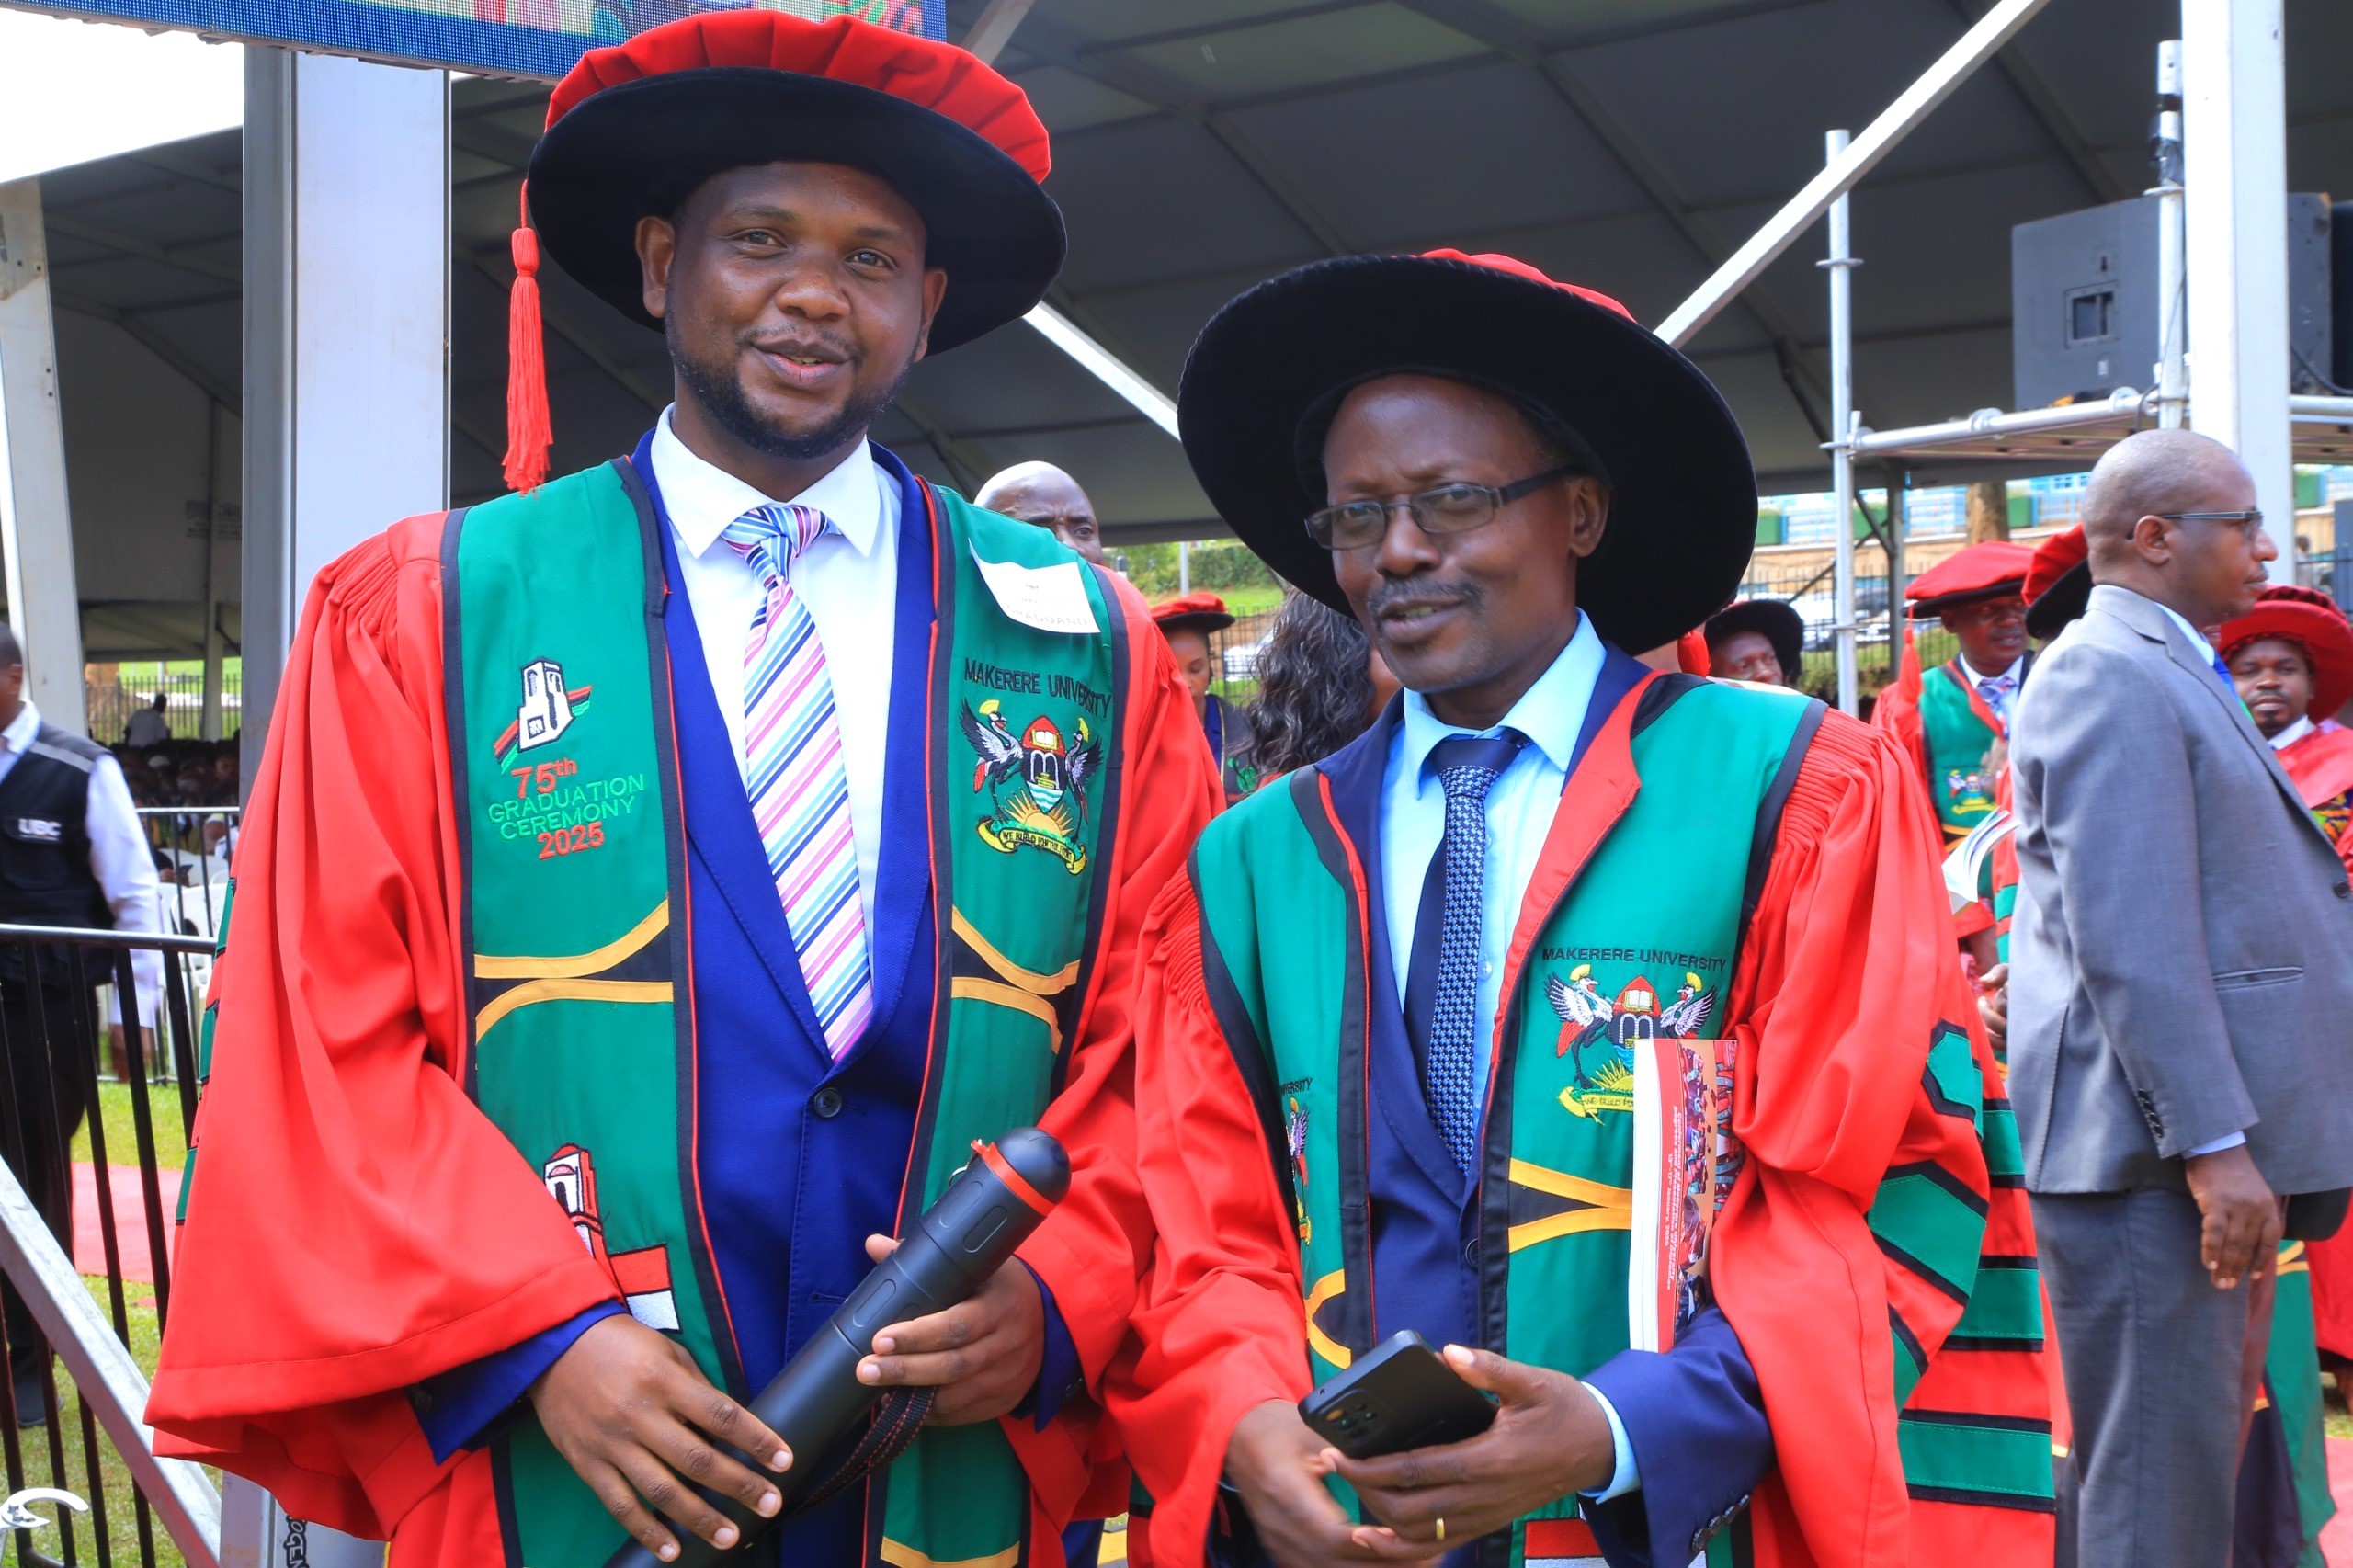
point(192, 845)
point(110, 703)
point(101, 1315)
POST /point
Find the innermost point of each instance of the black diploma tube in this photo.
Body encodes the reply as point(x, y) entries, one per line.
point(987, 1211)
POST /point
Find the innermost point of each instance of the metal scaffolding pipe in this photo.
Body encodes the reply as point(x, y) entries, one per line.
point(1844, 422)
point(1916, 102)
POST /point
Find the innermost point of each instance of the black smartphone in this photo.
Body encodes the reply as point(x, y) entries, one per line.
point(1402, 1396)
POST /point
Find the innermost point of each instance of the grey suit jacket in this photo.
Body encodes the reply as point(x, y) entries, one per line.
point(2181, 956)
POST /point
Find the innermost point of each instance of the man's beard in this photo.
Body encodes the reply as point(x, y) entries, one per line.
point(719, 390)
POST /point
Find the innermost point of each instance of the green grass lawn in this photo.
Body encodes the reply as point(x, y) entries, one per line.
point(122, 1136)
point(114, 1488)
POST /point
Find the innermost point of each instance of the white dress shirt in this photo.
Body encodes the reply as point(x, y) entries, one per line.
point(2016, 674)
point(120, 858)
point(848, 581)
point(2292, 733)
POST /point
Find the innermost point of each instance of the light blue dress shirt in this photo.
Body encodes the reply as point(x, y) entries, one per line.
point(1520, 807)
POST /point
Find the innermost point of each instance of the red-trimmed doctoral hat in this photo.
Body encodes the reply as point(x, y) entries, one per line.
point(1776, 620)
point(1988, 570)
point(2310, 619)
point(1204, 613)
point(634, 129)
point(1269, 371)
point(2058, 584)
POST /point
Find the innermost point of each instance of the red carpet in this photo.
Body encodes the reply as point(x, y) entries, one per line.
point(130, 1224)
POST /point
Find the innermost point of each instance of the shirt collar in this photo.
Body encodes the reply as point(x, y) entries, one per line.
point(2017, 672)
point(22, 728)
point(2292, 733)
point(1550, 713)
point(2197, 638)
point(702, 498)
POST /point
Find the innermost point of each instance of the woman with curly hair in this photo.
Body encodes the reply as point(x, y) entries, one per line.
point(1320, 687)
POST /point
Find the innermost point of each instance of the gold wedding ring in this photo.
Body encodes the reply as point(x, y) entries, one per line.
point(1440, 1522)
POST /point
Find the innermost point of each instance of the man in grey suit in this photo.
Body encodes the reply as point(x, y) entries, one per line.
point(2181, 981)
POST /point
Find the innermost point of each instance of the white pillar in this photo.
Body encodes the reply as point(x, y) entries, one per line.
point(36, 525)
point(347, 379)
point(2235, 147)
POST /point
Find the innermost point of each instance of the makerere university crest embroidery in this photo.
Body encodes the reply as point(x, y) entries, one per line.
point(1600, 1034)
point(1036, 781)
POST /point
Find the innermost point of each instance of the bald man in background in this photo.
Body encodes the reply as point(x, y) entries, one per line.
point(1041, 495)
point(2180, 968)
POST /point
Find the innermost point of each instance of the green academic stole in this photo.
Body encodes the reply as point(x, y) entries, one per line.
point(1610, 1077)
point(565, 771)
point(1955, 726)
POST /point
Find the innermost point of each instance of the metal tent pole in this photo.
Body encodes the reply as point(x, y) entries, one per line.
point(1896, 480)
point(1841, 265)
point(2172, 394)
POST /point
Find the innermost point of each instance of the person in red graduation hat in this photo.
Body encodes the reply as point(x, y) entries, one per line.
point(660, 878)
point(1964, 706)
point(2291, 658)
point(1596, 1022)
point(1188, 621)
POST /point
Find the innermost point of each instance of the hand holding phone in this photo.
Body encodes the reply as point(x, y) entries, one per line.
point(1402, 1396)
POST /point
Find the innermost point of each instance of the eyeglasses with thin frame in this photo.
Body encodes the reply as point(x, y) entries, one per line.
point(2250, 519)
point(1446, 509)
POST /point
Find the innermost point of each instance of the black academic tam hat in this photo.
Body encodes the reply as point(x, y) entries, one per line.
point(1637, 413)
point(635, 128)
point(1776, 620)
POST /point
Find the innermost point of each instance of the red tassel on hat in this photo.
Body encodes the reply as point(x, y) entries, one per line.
point(529, 434)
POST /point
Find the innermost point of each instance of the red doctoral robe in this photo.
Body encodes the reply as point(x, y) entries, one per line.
point(356, 1224)
point(1848, 970)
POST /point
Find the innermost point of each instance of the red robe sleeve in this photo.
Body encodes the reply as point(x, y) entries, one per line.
point(1092, 1252)
point(1219, 1329)
point(1846, 976)
point(353, 1224)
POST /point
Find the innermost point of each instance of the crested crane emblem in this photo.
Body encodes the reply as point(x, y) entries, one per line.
point(1037, 781)
point(1599, 1033)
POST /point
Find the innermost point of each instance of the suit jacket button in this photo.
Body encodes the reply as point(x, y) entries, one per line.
point(827, 1102)
point(2343, 890)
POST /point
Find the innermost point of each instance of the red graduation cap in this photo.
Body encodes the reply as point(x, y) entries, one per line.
point(2058, 583)
point(1982, 571)
point(2310, 619)
point(634, 129)
point(1192, 612)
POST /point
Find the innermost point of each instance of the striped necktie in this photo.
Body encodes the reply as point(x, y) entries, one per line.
point(793, 771)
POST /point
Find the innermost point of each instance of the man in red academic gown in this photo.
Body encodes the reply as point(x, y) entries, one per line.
point(1959, 709)
point(1400, 1040)
point(815, 900)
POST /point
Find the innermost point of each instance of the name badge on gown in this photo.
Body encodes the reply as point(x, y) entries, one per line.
point(1051, 599)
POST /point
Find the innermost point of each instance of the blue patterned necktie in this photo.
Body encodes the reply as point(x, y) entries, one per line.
point(1997, 691)
point(1466, 768)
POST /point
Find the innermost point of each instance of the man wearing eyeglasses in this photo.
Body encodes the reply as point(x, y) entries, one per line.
point(1594, 1023)
point(2181, 966)
point(1964, 706)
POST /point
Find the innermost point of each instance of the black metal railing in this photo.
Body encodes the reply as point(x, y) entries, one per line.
point(70, 1004)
